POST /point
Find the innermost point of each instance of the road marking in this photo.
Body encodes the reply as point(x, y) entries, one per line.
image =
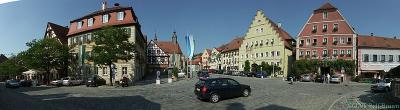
point(335, 102)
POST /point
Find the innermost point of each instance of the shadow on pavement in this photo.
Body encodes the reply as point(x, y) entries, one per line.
point(275, 107)
point(235, 106)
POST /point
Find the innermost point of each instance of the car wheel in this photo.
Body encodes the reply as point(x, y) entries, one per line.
point(214, 98)
point(246, 93)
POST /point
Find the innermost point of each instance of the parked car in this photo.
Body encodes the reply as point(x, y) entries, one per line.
point(203, 75)
point(319, 79)
point(335, 79)
point(215, 89)
point(212, 71)
point(250, 74)
point(58, 82)
point(25, 83)
point(181, 75)
point(95, 81)
point(70, 81)
point(227, 72)
point(259, 74)
point(382, 85)
point(12, 83)
point(306, 78)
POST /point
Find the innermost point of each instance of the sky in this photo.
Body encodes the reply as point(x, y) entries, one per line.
point(212, 22)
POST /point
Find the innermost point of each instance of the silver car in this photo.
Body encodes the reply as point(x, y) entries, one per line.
point(335, 79)
point(70, 81)
point(306, 78)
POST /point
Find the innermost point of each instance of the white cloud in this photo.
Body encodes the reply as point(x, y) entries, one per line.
point(7, 1)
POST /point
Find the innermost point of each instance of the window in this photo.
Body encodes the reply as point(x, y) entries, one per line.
point(256, 55)
point(257, 30)
point(266, 54)
point(325, 41)
point(262, 29)
point(261, 42)
point(325, 15)
point(262, 54)
point(105, 18)
point(325, 27)
point(374, 58)
point(325, 52)
point(341, 52)
point(365, 58)
point(383, 59)
point(256, 43)
point(335, 40)
point(104, 70)
point(314, 28)
point(120, 16)
point(272, 53)
point(272, 41)
point(79, 24)
point(349, 40)
point(314, 53)
point(90, 22)
point(348, 52)
point(335, 52)
point(390, 58)
point(301, 53)
point(278, 53)
point(124, 70)
point(342, 40)
point(314, 41)
point(308, 42)
point(301, 42)
point(266, 42)
point(335, 27)
point(308, 53)
point(247, 55)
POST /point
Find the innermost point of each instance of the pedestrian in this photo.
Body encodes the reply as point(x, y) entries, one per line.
point(323, 79)
point(291, 79)
point(328, 77)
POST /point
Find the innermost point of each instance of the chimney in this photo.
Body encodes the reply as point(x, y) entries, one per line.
point(104, 5)
point(372, 34)
point(279, 24)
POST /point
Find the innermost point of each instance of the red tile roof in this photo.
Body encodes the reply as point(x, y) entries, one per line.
point(233, 45)
point(169, 47)
point(3, 58)
point(286, 38)
point(60, 31)
point(326, 6)
point(365, 41)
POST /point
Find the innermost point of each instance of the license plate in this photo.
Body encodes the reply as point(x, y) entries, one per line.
point(197, 89)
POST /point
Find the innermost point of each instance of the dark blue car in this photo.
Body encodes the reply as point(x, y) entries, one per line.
point(259, 74)
point(215, 89)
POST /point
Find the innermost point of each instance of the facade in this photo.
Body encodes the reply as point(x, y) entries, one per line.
point(164, 54)
point(81, 43)
point(205, 59)
point(215, 58)
point(377, 55)
point(267, 42)
point(326, 36)
point(195, 64)
point(230, 55)
point(58, 32)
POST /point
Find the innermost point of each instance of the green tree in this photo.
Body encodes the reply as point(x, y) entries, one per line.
point(247, 66)
point(112, 44)
point(11, 67)
point(45, 55)
point(175, 71)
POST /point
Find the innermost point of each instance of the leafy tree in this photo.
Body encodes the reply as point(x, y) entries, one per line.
point(11, 67)
point(112, 44)
point(45, 55)
point(175, 71)
point(247, 66)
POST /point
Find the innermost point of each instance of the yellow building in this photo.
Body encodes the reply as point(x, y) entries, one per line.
point(266, 41)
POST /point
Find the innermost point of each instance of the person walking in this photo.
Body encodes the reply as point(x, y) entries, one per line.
point(328, 78)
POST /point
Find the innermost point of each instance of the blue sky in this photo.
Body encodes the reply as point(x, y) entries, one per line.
point(212, 22)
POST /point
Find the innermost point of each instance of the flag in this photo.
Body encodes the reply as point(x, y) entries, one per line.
point(191, 42)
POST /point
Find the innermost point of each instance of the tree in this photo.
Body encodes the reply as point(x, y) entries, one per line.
point(45, 55)
point(247, 66)
point(112, 44)
point(11, 67)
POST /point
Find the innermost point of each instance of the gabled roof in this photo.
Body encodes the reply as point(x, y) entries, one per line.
point(169, 47)
point(99, 12)
point(208, 51)
point(60, 31)
point(233, 45)
point(3, 58)
point(365, 41)
point(326, 6)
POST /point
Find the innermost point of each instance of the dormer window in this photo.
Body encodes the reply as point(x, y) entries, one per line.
point(325, 27)
point(120, 16)
point(325, 14)
point(90, 22)
point(105, 18)
point(314, 28)
point(80, 24)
